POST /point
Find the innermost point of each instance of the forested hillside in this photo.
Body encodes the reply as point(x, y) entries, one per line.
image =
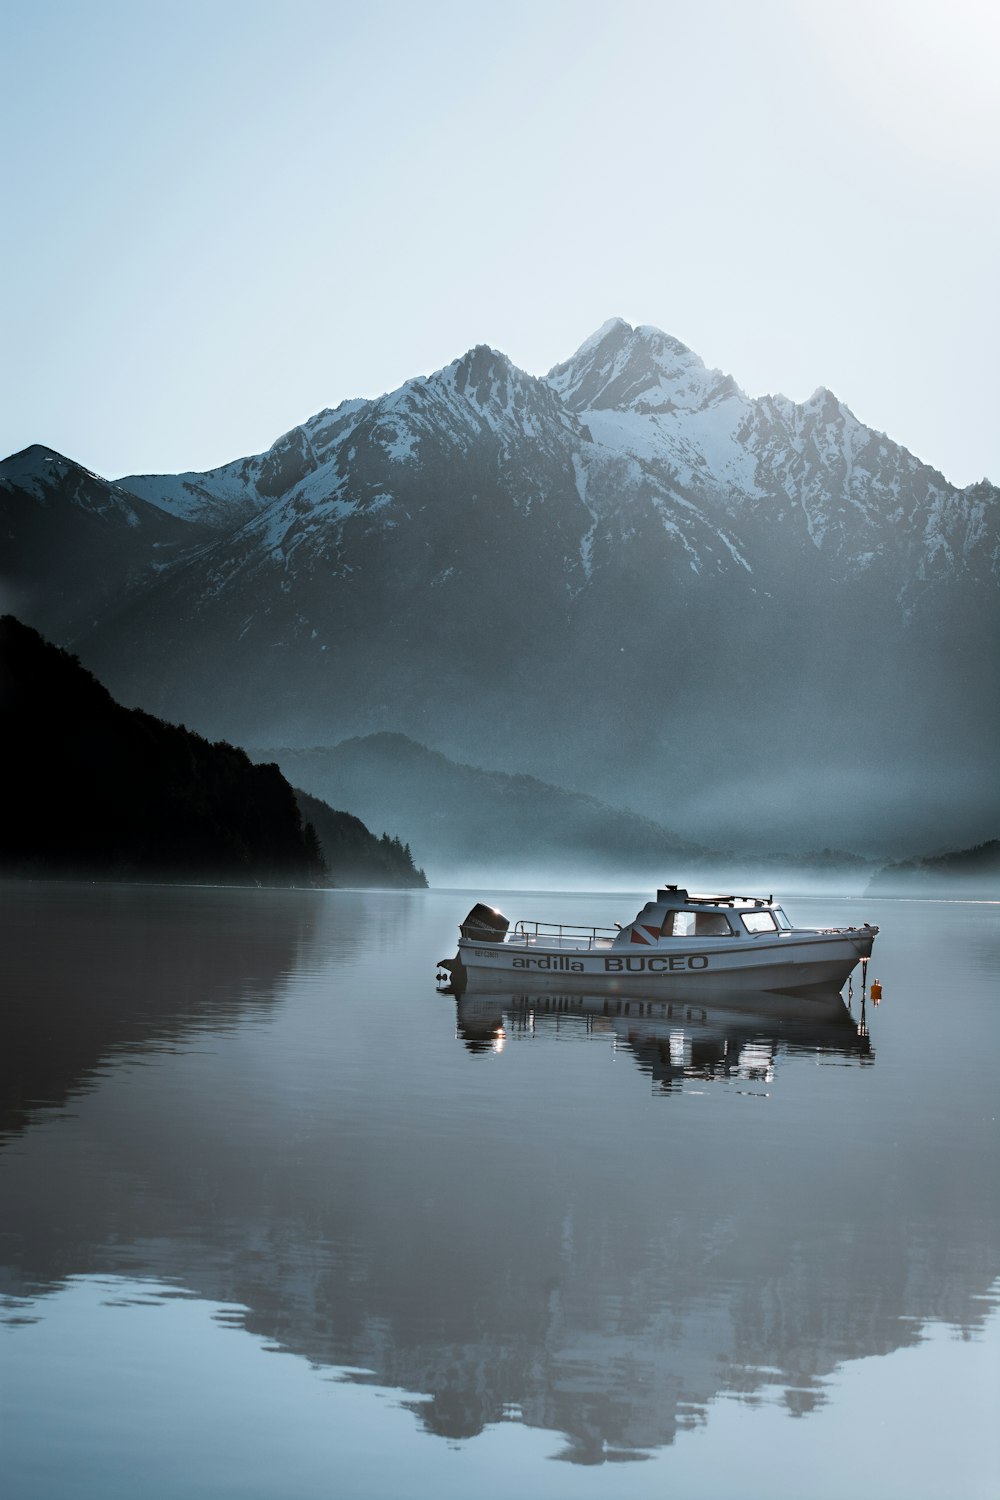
point(976, 869)
point(94, 789)
point(353, 855)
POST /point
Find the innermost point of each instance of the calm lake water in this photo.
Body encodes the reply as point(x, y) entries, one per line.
point(278, 1219)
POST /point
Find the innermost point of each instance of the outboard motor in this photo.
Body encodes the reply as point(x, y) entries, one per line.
point(484, 924)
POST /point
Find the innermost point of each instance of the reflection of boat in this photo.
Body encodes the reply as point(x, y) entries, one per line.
point(736, 941)
point(684, 1037)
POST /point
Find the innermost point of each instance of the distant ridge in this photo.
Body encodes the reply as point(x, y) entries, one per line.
point(962, 870)
point(488, 826)
point(460, 816)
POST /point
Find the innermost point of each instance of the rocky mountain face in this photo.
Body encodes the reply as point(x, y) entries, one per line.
point(627, 577)
point(74, 546)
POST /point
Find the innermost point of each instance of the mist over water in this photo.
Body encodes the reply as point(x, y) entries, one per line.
point(879, 812)
point(264, 1186)
point(550, 877)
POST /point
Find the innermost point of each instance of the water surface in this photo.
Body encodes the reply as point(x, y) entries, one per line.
point(278, 1218)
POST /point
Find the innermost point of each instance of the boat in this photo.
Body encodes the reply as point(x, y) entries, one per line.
point(677, 940)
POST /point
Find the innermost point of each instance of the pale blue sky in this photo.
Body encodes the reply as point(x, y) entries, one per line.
point(223, 217)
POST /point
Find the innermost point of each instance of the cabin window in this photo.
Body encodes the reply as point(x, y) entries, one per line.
point(782, 920)
point(758, 921)
point(678, 924)
point(695, 924)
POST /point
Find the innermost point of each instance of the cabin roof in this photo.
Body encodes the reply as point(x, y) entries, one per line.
point(677, 895)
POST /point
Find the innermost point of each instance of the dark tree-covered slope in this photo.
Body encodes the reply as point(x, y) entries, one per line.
point(95, 789)
point(352, 854)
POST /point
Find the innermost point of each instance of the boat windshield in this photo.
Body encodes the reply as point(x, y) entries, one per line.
point(758, 921)
point(781, 919)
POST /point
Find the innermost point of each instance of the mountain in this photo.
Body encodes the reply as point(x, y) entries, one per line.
point(745, 618)
point(960, 872)
point(472, 823)
point(73, 543)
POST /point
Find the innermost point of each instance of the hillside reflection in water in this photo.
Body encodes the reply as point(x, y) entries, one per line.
point(529, 1209)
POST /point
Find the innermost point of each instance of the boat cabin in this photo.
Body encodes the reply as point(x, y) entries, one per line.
point(676, 913)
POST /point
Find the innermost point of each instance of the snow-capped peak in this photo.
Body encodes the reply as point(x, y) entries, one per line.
point(638, 369)
point(613, 325)
point(827, 409)
point(663, 341)
point(484, 375)
point(483, 387)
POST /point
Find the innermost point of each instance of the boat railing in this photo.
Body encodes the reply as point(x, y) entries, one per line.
point(560, 934)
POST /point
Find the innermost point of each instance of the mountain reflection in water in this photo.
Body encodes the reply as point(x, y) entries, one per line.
point(258, 1097)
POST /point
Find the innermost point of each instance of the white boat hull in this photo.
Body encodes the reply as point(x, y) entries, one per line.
point(786, 961)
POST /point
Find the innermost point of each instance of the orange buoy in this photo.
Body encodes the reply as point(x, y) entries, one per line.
point(876, 991)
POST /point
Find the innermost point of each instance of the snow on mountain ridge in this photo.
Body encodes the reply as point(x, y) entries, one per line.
point(694, 432)
point(482, 397)
point(40, 472)
point(233, 493)
point(635, 403)
point(597, 337)
point(375, 453)
point(641, 369)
